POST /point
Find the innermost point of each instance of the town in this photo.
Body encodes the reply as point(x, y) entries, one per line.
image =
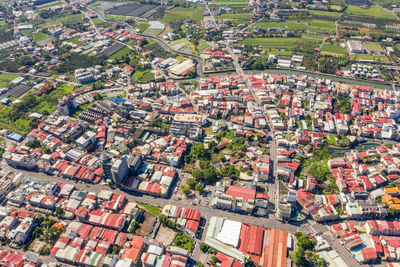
point(199, 133)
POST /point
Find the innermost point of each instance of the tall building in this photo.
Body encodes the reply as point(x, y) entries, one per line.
point(120, 169)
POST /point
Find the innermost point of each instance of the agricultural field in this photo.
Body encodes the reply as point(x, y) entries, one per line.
point(325, 13)
point(234, 3)
point(270, 42)
point(121, 53)
point(181, 13)
point(6, 78)
point(75, 40)
point(279, 51)
point(143, 76)
point(64, 19)
point(15, 117)
point(322, 25)
point(333, 50)
point(372, 11)
point(376, 58)
point(26, 32)
point(235, 16)
point(39, 36)
point(289, 24)
point(142, 25)
point(386, 3)
point(373, 46)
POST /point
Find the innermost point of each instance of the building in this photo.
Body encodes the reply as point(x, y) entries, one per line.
point(120, 170)
point(84, 76)
point(356, 47)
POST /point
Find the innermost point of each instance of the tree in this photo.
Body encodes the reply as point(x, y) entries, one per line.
point(115, 250)
point(298, 256)
point(199, 264)
point(199, 187)
point(198, 174)
point(392, 212)
point(214, 261)
point(59, 212)
point(185, 189)
point(230, 171)
point(45, 250)
point(191, 182)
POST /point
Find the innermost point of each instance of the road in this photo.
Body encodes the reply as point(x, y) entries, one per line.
point(318, 228)
point(38, 76)
point(159, 41)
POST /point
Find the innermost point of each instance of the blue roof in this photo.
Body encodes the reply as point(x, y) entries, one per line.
point(117, 100)
point(14, 136)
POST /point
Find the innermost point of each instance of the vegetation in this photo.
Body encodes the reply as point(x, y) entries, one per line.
point(183, 241)
point(150, 208)
point(182, 13)
point(303, 255)
point(207, 249)
point(167, 222)
point(372, 11)
point(144, 76)
point(159, 124)
point(270, 42)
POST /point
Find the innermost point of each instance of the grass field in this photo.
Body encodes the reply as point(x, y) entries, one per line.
point(181, 13)
point(386, 3)
point(290, 25)
point(75, 40)
point(26, 32)
point(142, 25)
point(231, 3)
point(372, 11)
point(114, 17)
point(47, 102)
point(143, 76)
point(335, 7)
point(39, 36)
point(333, 49)
point(6, 78)
point(324, 13)
point(322, 25)
point(373, 46)
point(121, 53)
point(64, 19)
point(153, 31)
point(100, 23)
point(371, 57)
point(270, 42)
point(202, 45)
point(235, 16)
point(150, 208)
point(279, 51)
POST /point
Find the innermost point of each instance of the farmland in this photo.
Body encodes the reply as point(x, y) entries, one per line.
point(324, 13)
point(373, 46)
point(322, 25)
point(181, 13)
point(333, 50)
point(372, 11)
point(39, 36)
point(142, 25)
point(6, 78)
point(235, 3)
point(270, 42)
point(375, 58)
point(121, 53)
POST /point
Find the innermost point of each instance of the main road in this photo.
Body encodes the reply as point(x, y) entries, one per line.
point(158, 40)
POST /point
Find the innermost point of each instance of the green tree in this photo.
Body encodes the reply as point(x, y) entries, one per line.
point(199, 187)
point(191, 182)
point(298, 256)
point(185, 189)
